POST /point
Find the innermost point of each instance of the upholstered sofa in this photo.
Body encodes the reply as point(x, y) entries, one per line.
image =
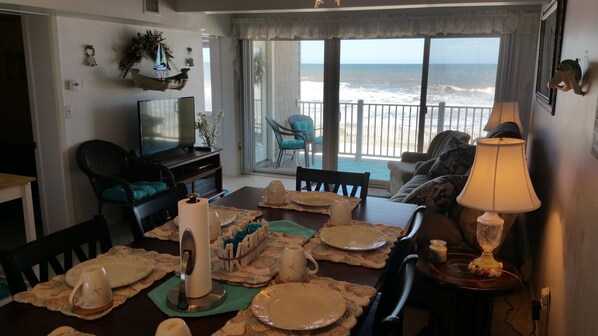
point(437, 182)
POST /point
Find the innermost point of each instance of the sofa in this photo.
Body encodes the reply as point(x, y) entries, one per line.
point(437, 182)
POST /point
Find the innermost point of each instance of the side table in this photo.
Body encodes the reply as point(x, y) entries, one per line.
point(460, 302)
point(16, 186)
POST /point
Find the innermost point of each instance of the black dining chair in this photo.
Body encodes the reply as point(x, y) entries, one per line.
point(349, 183)
point(51, 249)
point(146, 215)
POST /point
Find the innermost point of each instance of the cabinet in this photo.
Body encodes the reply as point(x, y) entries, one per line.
point(200, 171)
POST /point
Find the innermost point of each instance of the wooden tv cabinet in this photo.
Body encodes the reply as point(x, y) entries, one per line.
point(199, 170)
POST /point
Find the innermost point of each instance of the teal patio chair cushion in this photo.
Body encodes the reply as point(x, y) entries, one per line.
point(292, 144)
point(141, 190)
point(304, 125)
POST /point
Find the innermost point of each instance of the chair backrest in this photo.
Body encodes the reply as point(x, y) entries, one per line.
point(276, 128)
point(147, 214)
point(351, 184)
point(392, 324)
point(49, 250)
point(405, 246)
point(304, 123)
point(441, 139)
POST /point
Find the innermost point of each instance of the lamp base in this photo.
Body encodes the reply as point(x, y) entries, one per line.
point(485, 266)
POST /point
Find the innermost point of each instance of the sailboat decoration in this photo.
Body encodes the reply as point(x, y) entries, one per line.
point(151, 45)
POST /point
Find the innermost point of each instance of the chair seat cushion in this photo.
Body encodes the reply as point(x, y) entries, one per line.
point(141, 190)
point(292, 144)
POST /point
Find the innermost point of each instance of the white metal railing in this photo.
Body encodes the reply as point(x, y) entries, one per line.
point(387, 130)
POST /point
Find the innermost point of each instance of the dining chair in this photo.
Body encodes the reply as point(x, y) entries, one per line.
point(118, 176)
point(51, 249)
point(305, 123)
point(146, 215)
point(350, 184)
point(298, 142)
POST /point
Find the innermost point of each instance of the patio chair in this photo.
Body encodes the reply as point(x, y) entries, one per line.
point(118, 176)
point(49, 250)
point(299, 141)
point(148, 214)
point(301, 122)
point(351, 184)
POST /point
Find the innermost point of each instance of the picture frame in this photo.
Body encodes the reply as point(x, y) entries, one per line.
point(549, 53)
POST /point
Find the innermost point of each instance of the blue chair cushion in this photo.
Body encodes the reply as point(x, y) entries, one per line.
point(319, 140)
point(304, 125)
point(292, 144)
point(141, 190)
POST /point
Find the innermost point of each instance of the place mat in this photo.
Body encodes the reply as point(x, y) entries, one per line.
point(290, 205)
point(357, 297)
point(261, 270)
point(371, 259)
point(237, 298)
point(170, 231)
point(68, 331)
point(54, 294)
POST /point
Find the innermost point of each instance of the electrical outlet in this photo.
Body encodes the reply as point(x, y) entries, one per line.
point(68, 111)
point(545, 296)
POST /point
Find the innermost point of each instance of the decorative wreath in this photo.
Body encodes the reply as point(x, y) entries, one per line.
point(145, 46)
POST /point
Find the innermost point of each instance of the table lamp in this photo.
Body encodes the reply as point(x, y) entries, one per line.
point(499, 183)
point(503, 111)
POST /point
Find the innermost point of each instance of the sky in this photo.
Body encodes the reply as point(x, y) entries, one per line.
point(408, 51)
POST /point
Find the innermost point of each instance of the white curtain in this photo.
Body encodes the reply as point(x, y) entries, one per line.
point(319, 26)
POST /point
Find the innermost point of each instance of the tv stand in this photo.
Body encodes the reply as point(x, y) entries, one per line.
point(200, 171)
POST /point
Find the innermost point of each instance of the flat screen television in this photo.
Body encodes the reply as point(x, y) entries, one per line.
point(166, 124)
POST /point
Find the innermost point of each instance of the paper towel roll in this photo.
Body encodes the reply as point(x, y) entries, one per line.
point(193, 216)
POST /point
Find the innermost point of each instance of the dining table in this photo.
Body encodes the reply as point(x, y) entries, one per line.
point(140, 316)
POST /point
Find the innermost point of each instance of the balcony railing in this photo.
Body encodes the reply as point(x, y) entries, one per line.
point(387, 130)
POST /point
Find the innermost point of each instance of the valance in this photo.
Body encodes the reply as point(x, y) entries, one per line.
point(383, 25)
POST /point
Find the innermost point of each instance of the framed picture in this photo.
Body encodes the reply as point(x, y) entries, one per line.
point(549, 55)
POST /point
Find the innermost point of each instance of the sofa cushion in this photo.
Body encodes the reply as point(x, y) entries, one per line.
point(408, 187)
point(456, 159)
point(438, 195)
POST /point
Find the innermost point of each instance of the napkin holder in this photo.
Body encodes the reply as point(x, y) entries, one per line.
point(247, 250)
point(196, 290)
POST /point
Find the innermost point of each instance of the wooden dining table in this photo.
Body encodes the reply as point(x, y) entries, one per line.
point(139, 316)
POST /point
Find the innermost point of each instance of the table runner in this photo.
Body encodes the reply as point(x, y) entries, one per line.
point(54, 294)
point(290, 205)
point(170, 231)
point(357, 297)
point(371, 259)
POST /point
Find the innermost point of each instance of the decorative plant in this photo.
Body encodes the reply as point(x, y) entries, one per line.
point(259, 65)
point(144, 46)
point(208, 131)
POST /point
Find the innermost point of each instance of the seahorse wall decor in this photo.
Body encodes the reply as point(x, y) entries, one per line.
point(567, 77)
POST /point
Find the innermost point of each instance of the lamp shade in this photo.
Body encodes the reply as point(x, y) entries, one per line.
point(499, 180)
point(503, 111)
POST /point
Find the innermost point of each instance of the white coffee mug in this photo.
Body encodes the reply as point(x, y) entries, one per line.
point(215, 229)
point(94, 288)
point(293, 264)
point(173, 327)
point(274, 193)
point(340, 212)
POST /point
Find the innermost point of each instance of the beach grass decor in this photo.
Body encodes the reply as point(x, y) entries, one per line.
point(151, 46)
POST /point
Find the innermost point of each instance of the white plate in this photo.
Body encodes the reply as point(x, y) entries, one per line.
point(298, 306)
point(353, 238)
point(121, 270)
point(226, 217)
point(314, 198)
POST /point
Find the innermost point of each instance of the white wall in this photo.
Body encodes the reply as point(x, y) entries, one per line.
point(566, 175)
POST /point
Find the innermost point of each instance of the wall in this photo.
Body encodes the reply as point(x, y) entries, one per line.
point(565, 174)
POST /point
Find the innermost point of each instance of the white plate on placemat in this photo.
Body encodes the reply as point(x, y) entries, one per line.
point(298, 306)
point(314, 198)
point(353, 238)
point(121, 270)
point(226, 217)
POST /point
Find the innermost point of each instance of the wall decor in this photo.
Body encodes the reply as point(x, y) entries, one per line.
point(567, 77)
point(90, 54)
point(189, 59)
point(549, 54)
point(151, 46)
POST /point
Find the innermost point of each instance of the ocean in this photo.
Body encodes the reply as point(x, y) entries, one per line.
point(455, 84)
